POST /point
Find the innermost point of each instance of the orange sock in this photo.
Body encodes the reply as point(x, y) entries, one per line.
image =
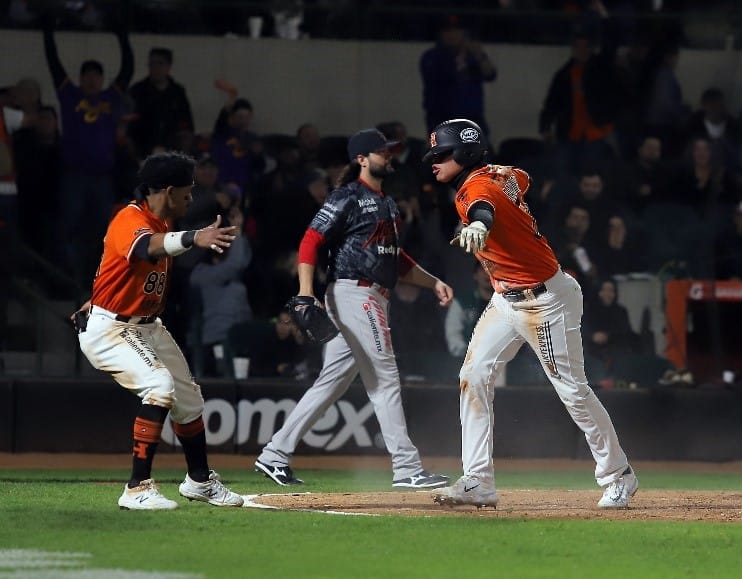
point(147, 433)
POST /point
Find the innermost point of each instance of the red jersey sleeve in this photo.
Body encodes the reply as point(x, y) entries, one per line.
point(309, 246)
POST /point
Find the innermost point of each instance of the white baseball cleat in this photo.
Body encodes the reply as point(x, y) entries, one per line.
point(145, 497)
point(617, 494)
point(468, 490)
point(212, 491)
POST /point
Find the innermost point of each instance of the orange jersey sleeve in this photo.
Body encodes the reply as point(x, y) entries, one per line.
point(515, 253)
point(125, 284)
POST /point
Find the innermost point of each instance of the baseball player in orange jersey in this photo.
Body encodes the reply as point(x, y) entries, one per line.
point(534, 302)
point(119, 331)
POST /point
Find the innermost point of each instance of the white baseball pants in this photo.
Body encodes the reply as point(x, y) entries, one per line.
point(144, 359)
point(550, 324)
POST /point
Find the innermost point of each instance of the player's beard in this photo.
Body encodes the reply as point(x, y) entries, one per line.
point(379, 170)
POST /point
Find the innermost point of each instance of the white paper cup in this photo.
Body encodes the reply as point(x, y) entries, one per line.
point(241, 367)
point(255, 25)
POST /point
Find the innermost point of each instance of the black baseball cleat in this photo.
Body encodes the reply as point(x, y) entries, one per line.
point(281, 475)
point(422, 480)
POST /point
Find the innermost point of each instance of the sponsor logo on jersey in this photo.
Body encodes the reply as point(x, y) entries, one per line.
point(469, 135)
point(343, 423)
point(382, 250)
point(368, 206)
point(384, 234)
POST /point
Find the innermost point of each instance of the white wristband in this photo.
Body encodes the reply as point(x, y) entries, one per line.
point(173, 243)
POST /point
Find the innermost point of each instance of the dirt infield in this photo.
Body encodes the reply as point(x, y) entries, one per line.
point(647, 505)
point(713, 506)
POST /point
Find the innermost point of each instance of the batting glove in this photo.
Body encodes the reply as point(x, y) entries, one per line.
point(472, 237)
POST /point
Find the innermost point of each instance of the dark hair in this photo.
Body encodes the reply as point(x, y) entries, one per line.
point(170, 169)
point(241, 104)
point(91, 66)
point(165, 53)
point(711, 95)
point(351, 172)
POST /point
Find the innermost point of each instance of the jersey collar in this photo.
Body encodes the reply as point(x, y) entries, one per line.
point(367, 186)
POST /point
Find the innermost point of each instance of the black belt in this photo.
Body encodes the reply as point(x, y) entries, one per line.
point(525, 294)
point(387, 293)
point(135, 319)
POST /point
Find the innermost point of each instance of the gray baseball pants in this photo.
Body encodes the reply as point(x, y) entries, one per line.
point(364, 346)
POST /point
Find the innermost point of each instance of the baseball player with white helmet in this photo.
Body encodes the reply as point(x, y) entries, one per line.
point(120, 333)
point(359, 226)
point(534, 302)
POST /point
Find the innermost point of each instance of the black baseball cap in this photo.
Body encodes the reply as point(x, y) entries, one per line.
point(367, 141)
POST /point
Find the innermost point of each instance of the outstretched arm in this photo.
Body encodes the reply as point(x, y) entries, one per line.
point(416, 275)
point(59, 75)
point(126, 71)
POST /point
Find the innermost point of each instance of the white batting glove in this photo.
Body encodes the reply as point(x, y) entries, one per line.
point(472, 237)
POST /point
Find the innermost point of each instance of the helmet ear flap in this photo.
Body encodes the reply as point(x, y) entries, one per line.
point(466, 155)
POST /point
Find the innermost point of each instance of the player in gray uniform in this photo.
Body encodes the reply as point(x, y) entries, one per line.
point(359, 226)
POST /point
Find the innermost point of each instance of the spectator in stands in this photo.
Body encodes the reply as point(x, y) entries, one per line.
point(19, 106)
point(465, 310)
point(275, 346)
point(591, 194)
point(646, 179)
point(584, 100)
point(453, 73)
point(25, 96)
point(38, 153)
point(418, 337)
point(633, 70)
point(218, 279)
point(701, 181)
point(620, 250)
point(714, 123)
point(728, 247)
point(162, 110)
point(237, 150)
point(665, 114)
point(607, 329)
point(571, 247)
point(284, 229)
point(90, 122)
point(308, 140)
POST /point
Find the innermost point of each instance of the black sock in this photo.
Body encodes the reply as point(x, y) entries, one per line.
point(192, 437)
point(147, 432)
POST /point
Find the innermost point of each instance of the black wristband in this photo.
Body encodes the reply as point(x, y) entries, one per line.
point(188, 238)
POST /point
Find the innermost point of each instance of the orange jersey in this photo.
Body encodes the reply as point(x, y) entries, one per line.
point(125, 284)
point(515, 253)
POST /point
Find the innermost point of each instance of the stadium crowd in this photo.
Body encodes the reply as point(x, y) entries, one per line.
point(626, 179)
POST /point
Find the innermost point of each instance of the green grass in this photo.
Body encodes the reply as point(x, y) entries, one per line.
point(75, 511)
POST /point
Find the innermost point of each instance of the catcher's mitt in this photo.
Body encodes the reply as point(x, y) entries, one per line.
point(311, 318)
